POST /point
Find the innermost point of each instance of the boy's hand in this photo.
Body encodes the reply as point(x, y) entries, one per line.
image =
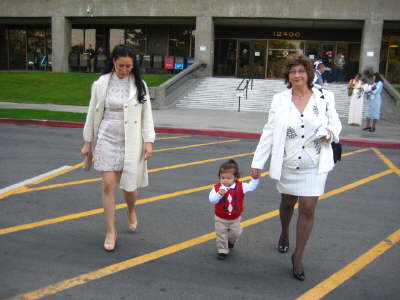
point(222, 191)
point(255, 173)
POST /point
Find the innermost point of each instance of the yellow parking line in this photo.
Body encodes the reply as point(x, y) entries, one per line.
point(58, 185)
point(12, 229)
point(387, 161)
point(351, 269)
point(355, 152)
point(53, 186)
point(26, 188)
point(92, 212)
point(195, 145)
point(127, 264)
point(172, 137)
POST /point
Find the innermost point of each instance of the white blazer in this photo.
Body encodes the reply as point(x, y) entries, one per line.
point(138, 127)
point(272, 140)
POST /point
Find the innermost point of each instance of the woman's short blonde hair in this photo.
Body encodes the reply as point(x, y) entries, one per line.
point(295, 60)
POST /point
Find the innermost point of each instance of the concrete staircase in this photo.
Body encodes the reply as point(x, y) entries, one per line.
point(220, 93)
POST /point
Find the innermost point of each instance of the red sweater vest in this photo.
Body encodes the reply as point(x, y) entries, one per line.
point(230, 207)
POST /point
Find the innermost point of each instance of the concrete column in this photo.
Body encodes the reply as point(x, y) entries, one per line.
point(61, 43)
point(371, 45)
point(204, 43)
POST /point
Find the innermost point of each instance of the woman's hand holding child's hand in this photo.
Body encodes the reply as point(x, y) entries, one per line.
point(255, 173)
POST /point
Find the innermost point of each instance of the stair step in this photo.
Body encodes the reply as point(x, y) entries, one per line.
point(220, 94)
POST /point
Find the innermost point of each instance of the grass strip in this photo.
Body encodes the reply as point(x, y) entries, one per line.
point(55, 88)
point(42, 115)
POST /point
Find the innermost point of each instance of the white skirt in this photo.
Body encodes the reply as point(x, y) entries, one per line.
point(307, 183)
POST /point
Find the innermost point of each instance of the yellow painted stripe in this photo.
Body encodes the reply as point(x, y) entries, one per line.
point(356, 152)
point(53, 186)
point(58, 185)
point(24, 188)
point(195, 145)
point(332, 282)
point(172, 137)
point(92, 212)
point(387, 161)
point(355, 184)
point(12, 229)
point(124, 265)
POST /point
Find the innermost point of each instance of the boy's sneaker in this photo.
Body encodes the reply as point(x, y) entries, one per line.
point(221, 256)
point(230, 246)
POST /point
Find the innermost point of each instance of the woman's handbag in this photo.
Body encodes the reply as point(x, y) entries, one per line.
point(350, 91)
point(337, 151)
point(336, 147)
point(87, 164)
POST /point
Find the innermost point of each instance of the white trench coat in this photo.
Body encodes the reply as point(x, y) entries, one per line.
point(272, 140)
point(138, 126)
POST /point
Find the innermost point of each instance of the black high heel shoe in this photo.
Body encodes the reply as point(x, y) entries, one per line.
point(298, 275)
point(366, 128)
point(282, 248)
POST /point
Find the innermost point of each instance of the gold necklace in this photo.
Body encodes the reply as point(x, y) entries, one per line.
point(300, 96)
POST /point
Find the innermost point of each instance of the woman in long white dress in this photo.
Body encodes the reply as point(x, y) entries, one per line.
point(356, 101)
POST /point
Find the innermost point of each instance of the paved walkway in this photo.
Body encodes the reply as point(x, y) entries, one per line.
point(211, 120)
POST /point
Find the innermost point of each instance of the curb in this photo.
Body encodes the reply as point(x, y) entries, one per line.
point(221, 133)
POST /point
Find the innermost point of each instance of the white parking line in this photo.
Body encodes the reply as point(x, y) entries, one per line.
point(30, 180)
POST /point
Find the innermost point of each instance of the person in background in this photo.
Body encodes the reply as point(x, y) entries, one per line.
point(119, 135)
point(101, 59)
point(339, 63)
point(91, 53)
point(356, 93)
point(301, 125)
point(328, 63)
point(374, 105)
point(318, 81)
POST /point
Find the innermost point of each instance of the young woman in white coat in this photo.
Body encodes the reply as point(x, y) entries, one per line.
point(301, 125)
point(119, 135)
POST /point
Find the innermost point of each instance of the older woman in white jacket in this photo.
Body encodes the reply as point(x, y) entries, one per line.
point(301, 125)
point(118, 135)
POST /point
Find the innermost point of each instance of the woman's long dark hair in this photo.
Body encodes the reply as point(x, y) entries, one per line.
point(127, 51)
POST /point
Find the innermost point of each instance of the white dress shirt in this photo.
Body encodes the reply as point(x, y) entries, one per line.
point(215, 197)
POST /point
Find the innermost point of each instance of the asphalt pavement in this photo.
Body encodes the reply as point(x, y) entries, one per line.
point(52, 229)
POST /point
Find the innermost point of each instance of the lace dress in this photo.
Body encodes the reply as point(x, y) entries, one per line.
point(110, 148)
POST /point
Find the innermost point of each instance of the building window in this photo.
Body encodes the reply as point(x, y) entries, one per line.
point(3, 49)
point(390, 58)
point(180, 40)
point(117, 37)
point(136, 37)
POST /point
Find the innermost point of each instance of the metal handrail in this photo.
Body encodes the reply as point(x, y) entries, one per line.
point(248, 80)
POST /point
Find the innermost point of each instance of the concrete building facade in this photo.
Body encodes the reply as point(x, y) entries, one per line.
point(231, 36)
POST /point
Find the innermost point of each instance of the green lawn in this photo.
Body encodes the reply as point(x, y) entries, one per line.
point(55, 88)
point(42, 115)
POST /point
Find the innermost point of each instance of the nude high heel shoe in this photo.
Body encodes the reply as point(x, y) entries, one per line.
point(110, 245)
point(132, 224)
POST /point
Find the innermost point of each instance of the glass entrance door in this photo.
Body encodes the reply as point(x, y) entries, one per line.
point(251, 58)
point(278, 51)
